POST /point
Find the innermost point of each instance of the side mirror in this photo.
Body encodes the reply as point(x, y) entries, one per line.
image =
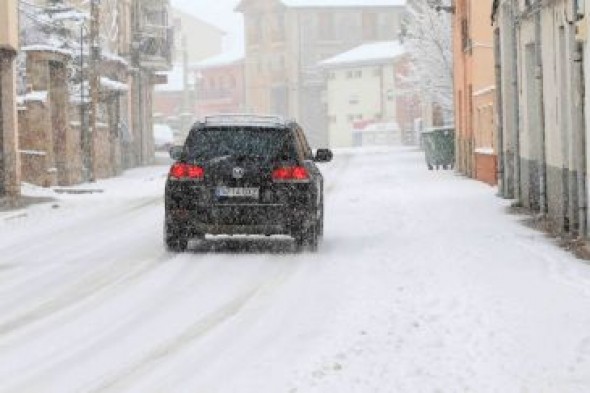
point(176, 152)
point(323, 155)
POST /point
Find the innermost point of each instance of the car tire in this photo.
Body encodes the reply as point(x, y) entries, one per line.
point(320, 224)
point(175, 238)
point(308, 239)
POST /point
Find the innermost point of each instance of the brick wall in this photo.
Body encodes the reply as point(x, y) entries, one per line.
point(35, 143)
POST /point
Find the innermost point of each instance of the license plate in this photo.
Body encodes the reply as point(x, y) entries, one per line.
point(240, 192)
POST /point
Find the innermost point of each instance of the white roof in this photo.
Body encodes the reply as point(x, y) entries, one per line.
point(368, 53)
point(343, 3)
point(223, 59)
point(175, 80)
point(113, 85)
point(163, 134)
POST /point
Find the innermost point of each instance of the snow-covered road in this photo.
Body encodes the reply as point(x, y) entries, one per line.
point(423, 284)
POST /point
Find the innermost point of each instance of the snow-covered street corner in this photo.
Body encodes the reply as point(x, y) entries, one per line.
point(423, 284)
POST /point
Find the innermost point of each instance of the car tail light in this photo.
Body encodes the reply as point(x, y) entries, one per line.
point(182, 171)
point(290, 174)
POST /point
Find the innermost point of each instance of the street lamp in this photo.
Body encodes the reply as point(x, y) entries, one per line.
point(194, 81)
point(85, 137)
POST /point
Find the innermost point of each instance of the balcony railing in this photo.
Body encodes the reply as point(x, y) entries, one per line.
point(154, 37)
point(155, 47)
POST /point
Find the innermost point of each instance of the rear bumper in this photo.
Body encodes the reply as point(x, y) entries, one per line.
point(240, 219)
point(282, 209)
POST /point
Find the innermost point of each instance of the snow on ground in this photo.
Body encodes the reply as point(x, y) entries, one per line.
point(423, 284)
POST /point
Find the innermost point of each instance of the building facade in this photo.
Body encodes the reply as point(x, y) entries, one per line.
point(9, 45)
point(87, 72)
point(174, 101)
point(542, 123)
point(287, 39)
point(474, 86)
point(220, 84)
point(214, 85)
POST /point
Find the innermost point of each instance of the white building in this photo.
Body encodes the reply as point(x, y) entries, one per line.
point(361, 89)
point(542, 129)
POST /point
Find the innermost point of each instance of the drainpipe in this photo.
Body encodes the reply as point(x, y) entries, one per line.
point(543, 206)
point(515, 90)
point(500, 114)
point(578, 129)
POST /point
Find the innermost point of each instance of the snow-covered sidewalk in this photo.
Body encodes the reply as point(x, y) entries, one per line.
point(423, 284)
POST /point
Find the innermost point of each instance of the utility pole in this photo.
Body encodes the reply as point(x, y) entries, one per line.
point(184, 116)
point(89, 152)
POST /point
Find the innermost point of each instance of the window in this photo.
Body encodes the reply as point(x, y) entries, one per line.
point(210, 143)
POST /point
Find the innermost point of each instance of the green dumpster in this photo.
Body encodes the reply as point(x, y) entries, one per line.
point(439, 147)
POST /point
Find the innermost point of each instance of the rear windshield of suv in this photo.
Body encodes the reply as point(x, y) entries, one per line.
point(266, 144)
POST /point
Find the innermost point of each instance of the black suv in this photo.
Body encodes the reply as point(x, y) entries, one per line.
point(244, 174)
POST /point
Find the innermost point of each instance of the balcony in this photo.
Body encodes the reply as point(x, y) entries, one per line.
point(154, 36)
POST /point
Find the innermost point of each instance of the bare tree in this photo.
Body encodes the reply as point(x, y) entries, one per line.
point(427, 34)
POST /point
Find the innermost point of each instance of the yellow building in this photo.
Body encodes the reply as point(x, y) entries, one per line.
point(361, 89)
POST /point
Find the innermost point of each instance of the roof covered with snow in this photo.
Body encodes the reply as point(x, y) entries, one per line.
point(113, 85)
point(46, 48)
point(376, 52)
point(175, 80)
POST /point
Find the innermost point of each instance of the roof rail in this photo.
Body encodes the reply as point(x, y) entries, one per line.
point(245, 119)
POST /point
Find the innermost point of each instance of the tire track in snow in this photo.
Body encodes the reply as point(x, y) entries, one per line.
point(50, 363)
point(170, 347)
point(202, 327)
point(79, 293)
point(96, 281)
point(77, 230)
point(191, 334)
point(23, 248)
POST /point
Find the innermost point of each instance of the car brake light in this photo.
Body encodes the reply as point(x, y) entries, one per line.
point(290, 174)
point(182, 171)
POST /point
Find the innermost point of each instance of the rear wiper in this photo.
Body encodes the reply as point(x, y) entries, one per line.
point(243, 157)
point(217, 159)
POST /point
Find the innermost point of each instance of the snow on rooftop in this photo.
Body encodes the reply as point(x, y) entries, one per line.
point(46, 48)
point(343, 3)
point(175, 80)
point(113, 85)
point(367, 53)
point(114, 58)
point(70, 15)
point(226, 58)
point(163, 134)
point(33, 96)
